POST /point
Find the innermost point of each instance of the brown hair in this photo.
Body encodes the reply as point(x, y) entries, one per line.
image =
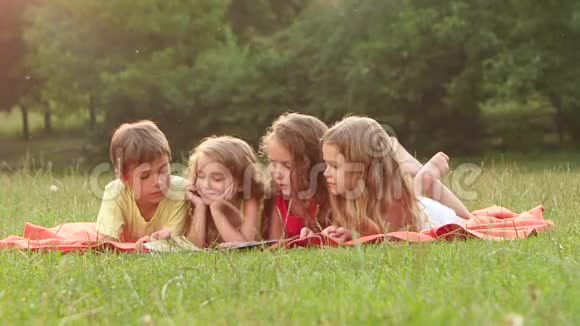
point(363, 141)
point(137, 142)
point(240, 159)
point(300, 134)
point(237, 156)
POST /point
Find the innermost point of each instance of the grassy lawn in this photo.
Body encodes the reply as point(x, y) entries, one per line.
point(473, 282)
point(59, 151)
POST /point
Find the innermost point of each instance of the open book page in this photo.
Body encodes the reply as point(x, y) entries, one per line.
point(246, 245)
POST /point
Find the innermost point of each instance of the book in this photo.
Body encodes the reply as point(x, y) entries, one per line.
point(246, 244)
point(175, 244)
point(182, 244)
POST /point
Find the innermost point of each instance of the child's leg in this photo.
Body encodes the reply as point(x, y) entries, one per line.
point(449, 199)
point(428, 183)
point(409, 164)
point(425, 182)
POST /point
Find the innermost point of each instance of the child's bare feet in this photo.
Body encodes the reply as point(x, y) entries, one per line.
point(435, 169)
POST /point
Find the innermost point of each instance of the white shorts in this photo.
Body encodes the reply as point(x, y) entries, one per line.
point(434, 214)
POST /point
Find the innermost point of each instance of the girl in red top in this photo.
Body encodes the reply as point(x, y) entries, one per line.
point(301, 197)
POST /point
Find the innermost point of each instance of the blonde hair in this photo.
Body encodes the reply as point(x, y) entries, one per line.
point(137, 142)
point(301, 134)
point(237, 156)
point(363, 141)
point(240, 159)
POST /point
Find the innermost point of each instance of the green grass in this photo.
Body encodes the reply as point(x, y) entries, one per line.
point(60, 151)
point(475, 282)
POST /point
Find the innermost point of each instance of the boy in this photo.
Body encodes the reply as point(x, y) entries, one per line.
point(145, 201)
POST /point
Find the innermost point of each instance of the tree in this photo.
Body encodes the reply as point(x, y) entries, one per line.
point(537, 54)
point(397, 62)
point(262, 18)
point(131, 59)
point(12, 49)
point(200, 67)
point(15, 79)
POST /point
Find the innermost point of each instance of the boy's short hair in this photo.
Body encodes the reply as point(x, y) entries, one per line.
point(137, 142)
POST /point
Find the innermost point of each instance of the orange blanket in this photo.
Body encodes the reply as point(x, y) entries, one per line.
point(64, 238)
point(494, 223)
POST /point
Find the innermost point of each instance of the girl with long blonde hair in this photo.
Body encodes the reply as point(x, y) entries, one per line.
point(226, 192)
point(370, 192)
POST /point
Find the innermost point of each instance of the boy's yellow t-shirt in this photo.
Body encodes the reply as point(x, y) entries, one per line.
point(119, 216)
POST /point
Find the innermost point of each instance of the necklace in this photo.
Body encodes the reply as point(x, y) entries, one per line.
point(283, 220)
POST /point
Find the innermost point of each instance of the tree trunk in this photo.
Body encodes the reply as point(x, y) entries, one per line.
point(25, 125)
point(48, 121)
point(92, 113)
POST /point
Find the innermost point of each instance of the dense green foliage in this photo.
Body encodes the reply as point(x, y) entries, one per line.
point(462, 76)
